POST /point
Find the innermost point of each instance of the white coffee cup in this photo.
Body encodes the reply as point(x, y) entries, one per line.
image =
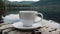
point(28, 17)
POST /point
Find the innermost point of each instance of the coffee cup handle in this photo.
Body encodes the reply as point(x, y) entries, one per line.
point(41, 17)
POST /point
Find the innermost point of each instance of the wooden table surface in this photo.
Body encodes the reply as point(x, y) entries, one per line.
point(44, 30)
point(9, 28)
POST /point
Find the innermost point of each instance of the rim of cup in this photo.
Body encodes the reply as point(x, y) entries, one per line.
point(28, 11)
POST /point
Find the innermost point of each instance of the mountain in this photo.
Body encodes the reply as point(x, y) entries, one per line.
point(49, 8)
point(47, 2)
point(17, 3)
point(26, 2)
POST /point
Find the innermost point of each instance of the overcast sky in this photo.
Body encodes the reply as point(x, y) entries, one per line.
point(23, 0)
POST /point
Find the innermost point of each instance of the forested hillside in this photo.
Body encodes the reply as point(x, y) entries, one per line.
point(50, 9)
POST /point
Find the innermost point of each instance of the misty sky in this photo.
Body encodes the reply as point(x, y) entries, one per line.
point(23, 0)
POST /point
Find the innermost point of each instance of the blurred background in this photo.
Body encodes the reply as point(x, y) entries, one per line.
point(49, 8)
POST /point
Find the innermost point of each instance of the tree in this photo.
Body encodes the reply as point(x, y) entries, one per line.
point(2, 9)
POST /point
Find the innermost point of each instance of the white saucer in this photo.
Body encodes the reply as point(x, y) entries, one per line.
point(19, 25)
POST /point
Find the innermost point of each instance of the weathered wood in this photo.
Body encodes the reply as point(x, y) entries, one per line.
point(9, 29)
